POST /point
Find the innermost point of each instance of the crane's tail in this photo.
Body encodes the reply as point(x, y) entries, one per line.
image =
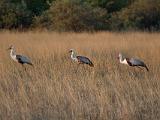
point(146, 68)
point(31, 64)
point(91, 64)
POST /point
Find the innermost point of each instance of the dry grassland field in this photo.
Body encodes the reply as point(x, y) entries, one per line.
point(57, 88)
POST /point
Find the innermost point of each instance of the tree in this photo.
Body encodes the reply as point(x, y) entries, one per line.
point(72, 15)
point(38, 6)
point(110, 5)
point(142, 15)
point(14, 15)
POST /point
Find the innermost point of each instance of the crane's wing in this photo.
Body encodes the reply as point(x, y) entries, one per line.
point(85, 60)
point(23, 59)
point(136, 62)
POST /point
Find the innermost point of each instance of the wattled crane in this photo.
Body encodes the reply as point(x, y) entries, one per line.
point(19, 58)
point(80, 59)
point(132, 61)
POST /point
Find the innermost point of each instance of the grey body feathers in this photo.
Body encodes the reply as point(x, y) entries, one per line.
point(23, 59)
point(137, 62)
point(85, 60)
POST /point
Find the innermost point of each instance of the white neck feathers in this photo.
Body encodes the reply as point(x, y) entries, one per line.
point(73, 56)
point(13, 54)
point(122, 60)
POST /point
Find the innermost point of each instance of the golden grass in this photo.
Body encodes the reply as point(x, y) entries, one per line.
point(56, 88)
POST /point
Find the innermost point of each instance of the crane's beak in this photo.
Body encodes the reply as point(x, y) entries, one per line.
point(8, 48)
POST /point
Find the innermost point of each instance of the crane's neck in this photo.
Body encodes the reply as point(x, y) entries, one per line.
point(74, 56)
point(121, 59)
point(12, 53)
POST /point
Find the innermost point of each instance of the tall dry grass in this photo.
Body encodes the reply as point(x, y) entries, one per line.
point(57, 88)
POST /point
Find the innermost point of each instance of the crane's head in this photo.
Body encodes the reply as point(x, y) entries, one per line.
point(71, 50)
point(11, 47)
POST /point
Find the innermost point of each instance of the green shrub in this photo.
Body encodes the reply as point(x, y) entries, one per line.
point(110, 5)
point(13, 15)
point(142, 15)
point(72, 15)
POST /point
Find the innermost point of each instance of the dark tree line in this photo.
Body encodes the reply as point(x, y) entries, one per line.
point(80, 15)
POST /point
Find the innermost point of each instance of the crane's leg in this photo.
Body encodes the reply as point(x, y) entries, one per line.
point(84, 68)
point(24, 67)
point(78, 67)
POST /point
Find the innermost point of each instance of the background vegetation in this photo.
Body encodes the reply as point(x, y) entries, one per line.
point(58, 89)
point(80, 15)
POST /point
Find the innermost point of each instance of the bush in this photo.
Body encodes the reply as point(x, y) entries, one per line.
point(14, 15)
point(142, 15)
point(110, 5)
point(72, 15)
point(37, 6)
point(80, 15)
